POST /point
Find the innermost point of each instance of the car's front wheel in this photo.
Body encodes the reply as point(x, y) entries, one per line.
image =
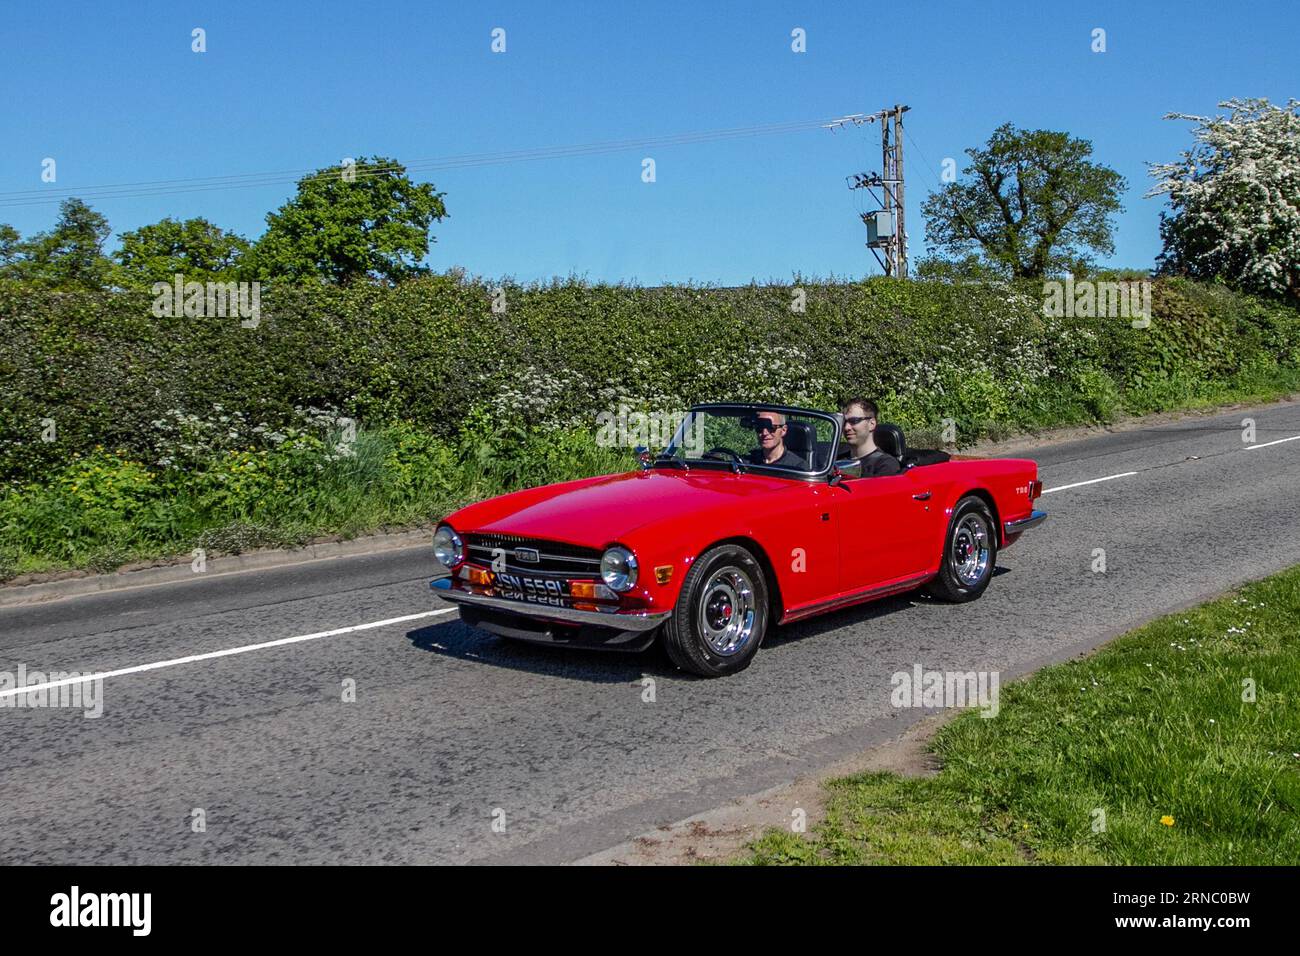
point(721, 614)
point(970, 553)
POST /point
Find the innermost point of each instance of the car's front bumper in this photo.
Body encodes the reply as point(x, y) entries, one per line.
point(1024, 524)
point(457, 592)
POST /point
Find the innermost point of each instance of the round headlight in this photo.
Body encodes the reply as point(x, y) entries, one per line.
point(448, 548)
point(618, 568)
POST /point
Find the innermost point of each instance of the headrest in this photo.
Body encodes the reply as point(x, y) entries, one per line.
point(800, 438)
point(889, 439)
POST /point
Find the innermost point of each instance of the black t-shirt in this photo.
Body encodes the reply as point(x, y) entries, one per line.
point(788, 460)
point(880, 463)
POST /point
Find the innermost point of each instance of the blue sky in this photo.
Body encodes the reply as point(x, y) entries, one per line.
point(113, 92)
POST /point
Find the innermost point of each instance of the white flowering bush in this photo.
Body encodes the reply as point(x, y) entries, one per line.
point(531, 396)
point(190, 440)
point(1235, 199)
point(759, 371)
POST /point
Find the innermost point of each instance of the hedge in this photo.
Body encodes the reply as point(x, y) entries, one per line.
point(433, 354)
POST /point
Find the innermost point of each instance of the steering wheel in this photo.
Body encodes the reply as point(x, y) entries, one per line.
point(723, 454)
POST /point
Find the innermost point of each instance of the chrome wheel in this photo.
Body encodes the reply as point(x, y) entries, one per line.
point(970, 550)
point(726, 611)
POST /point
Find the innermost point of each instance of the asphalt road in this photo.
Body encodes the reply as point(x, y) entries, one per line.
point(453, 729)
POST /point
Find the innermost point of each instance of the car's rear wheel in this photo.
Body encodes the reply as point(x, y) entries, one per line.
point(970, 553)
point(721, 614)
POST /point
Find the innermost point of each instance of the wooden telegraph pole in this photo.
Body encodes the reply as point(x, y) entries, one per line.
point(886, 226)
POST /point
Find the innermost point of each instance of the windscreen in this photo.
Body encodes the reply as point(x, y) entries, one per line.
point(789, 441)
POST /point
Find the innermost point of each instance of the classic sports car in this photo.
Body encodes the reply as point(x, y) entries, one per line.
point(705, 546)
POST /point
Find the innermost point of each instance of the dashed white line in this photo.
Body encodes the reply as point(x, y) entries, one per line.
point(1267, 443)
point(1126, 474)
point(1091, 481)
point(228, 652)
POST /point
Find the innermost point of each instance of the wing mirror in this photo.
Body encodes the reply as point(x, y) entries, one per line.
point(846, 468)
point(643, 457)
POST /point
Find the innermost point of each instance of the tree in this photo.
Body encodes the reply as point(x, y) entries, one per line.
point(967, 268)
point(9, 242)
point(70, 254)
point(348, 223)
point(1032, 203)
point(195, 248)
point(1235, 199)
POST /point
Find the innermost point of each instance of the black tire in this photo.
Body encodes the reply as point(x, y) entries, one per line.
point(970, 553)
point(723, 601)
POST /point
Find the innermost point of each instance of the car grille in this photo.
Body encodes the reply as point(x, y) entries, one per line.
point(555, 559)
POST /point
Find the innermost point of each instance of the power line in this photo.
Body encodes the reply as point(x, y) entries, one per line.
point(166, 187)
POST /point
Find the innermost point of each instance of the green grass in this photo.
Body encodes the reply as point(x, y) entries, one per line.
point(1151, 726)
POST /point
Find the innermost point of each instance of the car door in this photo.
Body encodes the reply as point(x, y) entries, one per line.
point(798, 534)
point(883, 525)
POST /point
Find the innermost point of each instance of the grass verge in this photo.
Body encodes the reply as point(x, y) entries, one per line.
point(1177, 744)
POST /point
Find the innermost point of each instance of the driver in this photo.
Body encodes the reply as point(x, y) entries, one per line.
point(770, 427)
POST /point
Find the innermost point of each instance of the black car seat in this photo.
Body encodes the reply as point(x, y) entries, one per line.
point(889, 439)
point(801, 439)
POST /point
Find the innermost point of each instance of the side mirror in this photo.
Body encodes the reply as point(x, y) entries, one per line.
point(643, 457)
point(846, 468)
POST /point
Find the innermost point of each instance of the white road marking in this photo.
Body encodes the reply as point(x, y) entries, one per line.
point(1092, 481)
point(1126, 474)
point(228, 652)
point(1267, 443)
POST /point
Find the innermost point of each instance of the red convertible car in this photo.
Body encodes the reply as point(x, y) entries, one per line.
point(708, 544)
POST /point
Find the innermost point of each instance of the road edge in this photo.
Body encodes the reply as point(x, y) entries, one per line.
point(20, 595)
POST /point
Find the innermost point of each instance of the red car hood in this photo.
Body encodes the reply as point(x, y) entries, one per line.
point(597, 511)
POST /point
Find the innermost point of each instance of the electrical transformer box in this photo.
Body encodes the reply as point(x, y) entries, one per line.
point(880, 227)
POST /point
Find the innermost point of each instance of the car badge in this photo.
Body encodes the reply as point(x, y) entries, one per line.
point(529, 555)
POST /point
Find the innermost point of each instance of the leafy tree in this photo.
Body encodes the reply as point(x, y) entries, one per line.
point(346, 224)
point(70, 254)
point(194, 248)
point(967, 268)
point(9, 240)
point(1031, 203)
point(1235, 199)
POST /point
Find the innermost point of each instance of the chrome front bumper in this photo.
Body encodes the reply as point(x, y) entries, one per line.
point(1024, 524)
point(619, 620)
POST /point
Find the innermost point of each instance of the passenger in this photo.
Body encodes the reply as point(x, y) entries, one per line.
point(859, 428)
point(770, 428)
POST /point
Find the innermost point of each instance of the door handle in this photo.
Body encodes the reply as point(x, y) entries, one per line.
point(921, 496)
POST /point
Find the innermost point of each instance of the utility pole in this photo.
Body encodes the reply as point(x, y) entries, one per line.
point(894, 151)
point(886, 227)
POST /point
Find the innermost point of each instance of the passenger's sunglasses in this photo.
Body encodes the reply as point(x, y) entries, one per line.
point(766, 425)
point(857, 420)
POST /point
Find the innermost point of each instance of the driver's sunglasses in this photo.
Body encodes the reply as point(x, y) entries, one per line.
point(767, 425)
point(857, 420)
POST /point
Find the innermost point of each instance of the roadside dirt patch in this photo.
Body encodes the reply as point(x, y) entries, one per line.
point(719, 834)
